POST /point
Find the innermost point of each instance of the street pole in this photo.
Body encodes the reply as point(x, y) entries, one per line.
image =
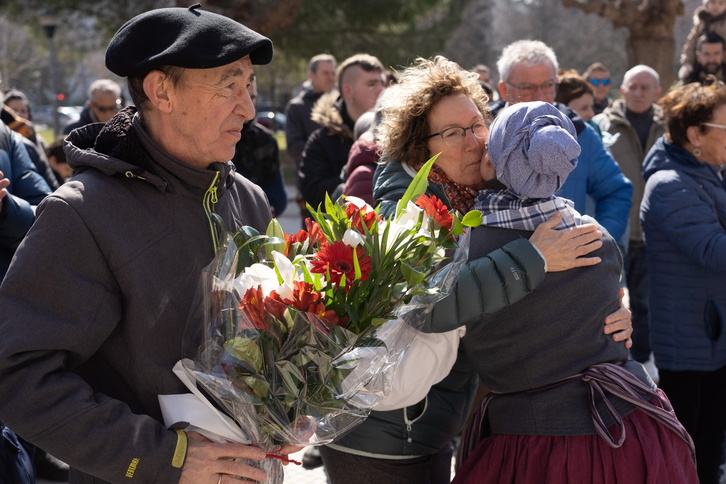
point(49, 22)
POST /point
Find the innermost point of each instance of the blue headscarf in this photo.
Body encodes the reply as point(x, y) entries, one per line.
point(533, 147)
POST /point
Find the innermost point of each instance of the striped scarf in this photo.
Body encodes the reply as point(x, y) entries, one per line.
point(506, 210)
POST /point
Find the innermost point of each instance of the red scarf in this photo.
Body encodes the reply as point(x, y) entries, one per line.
point(461, 197)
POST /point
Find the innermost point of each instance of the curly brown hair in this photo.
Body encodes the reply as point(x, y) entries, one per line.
point(691, 105)
point(406, 105)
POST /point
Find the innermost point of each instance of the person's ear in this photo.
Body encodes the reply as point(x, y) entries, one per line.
point(693, 133)
point(157, 87)
point(347, 91)
point(503, 90)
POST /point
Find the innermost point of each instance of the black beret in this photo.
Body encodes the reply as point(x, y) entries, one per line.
point(183, 37)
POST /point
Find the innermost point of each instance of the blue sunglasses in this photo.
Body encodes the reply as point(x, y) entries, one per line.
point(596, 82)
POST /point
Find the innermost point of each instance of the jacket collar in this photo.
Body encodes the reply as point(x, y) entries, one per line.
point(123, 147)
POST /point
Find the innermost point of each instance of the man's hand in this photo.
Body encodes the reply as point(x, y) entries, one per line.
point(210, 463)
point(4, 184)
point(563, 249)
point(619, 324)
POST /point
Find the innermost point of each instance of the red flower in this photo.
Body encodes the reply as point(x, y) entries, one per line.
point(314, 231)
point(291, 239)
point(305, 299)
point(253, 306)
point(436, 209)
point(359, 217)
point(336, 260)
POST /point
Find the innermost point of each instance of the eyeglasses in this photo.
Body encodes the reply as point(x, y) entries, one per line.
point(455, 135)
point(597, 82)
point(714, 125)
point(548, 87)
point(107, 109)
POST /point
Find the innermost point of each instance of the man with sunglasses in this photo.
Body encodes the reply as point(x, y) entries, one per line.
point(528, 72)
point(599, 77)
point(104, 101)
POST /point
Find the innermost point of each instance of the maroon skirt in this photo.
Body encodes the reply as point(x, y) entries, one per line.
point(650, 454)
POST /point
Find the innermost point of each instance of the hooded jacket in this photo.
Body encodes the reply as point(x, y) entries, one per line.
point(326, 151)
point(629, 154)
point(684, 220)
point(96, 301)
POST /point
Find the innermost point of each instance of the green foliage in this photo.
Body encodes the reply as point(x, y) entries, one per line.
point(396, 31)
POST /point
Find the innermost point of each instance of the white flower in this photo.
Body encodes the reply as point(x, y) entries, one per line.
point(358, 203)
point(352, 238)
point(410, 215)
point(286, 270)
point(257, 275)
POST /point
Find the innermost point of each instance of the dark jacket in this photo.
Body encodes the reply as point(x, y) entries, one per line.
point(299, 124)
point(26, 190)
point(96, 302)
point(257, 157)
point(87, 117)
point(485, 285)
point(326, 151)
point(512, 353)
point(684, 220)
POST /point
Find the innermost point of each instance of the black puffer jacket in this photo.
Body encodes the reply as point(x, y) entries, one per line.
point(326, 151)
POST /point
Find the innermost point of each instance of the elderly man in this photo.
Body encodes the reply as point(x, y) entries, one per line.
point(104, 101)
point(95, 302)
point(638, 123)
point(360, 82)
point(528, 72)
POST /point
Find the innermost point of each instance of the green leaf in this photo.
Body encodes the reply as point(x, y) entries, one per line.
point(245, 349)
point(356, 264)
point(413, 277)
point(276, 239)
point(418, 185)
point(472, 219)
point(258, 385)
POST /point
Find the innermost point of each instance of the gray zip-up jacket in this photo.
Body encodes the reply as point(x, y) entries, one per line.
point(95, 303)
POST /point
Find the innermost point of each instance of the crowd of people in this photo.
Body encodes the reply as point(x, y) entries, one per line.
point(105, 230)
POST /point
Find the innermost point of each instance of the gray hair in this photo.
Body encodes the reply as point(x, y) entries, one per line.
point(527, 52)
point(637, 70)
point(104, 85)
point(320, 58)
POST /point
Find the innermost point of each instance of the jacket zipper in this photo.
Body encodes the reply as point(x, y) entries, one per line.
point(210, 200)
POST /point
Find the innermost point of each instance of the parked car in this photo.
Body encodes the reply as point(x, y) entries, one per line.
point(273, 120)
point(43, 115)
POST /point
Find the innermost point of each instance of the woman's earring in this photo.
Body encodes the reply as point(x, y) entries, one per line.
point(697, 152)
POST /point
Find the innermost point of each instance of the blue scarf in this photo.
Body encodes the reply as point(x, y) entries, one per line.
point(504, 209)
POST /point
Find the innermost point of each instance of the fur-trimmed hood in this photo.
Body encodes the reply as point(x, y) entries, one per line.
point(330, 113)
point(701, 15)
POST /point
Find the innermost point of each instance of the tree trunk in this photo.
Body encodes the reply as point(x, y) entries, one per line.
point(650, 25)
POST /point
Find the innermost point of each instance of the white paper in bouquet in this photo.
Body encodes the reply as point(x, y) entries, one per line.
point(405, 380)
point(202, 416)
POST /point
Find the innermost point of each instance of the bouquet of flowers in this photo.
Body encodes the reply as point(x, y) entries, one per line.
point(302, 331)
